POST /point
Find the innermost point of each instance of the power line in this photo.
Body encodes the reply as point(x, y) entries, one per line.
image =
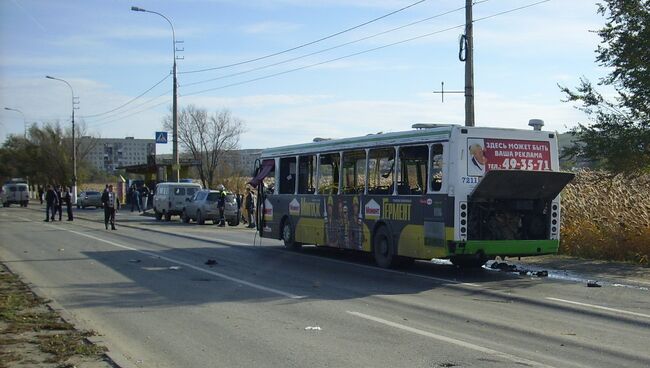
point(101, 121)
point(339, 58)
point(325, 62)
point(328, 49)
point(362, 52)
point(304, 44)
point(128, 102)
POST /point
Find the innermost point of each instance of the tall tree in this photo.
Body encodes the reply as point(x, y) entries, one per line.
point(619, 135)
point(207, 137)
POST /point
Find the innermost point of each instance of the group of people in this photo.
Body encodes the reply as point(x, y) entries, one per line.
point(138, 197)
point(55, 197)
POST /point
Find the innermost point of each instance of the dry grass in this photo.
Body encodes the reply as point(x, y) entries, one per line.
point(606, 218)
point(31, 334)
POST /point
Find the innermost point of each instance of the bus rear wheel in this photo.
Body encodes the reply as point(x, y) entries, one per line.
point(289, 236)
point(383, 249)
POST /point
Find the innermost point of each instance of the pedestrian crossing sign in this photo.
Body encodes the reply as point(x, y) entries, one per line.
point(161, 137)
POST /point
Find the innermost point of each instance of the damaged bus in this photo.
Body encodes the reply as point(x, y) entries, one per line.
point(467, 194)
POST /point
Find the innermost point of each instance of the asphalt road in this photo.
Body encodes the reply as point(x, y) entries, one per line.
point(145, 288)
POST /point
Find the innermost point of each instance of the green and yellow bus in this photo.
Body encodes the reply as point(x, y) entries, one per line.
point(467, 194)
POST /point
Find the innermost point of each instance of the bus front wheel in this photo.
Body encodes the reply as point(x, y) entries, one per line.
point(383, 249)
point(289, 236)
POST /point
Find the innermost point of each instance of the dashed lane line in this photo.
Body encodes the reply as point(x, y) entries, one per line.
point(620, 311)
point(450, 340)
point(188, 265)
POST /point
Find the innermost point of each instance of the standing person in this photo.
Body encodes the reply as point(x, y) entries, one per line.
point(110, 201)
point(50, 203)
point(221, 204)
point(40, 194)
point(249, 203)
point(240, 214)
point(144, 195)
point(135, 198)
point(59, 202)
point(67, 198)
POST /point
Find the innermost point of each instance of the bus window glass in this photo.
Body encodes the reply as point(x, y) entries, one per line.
point(412, 177)
point(354, 172)
point(306, 175)
point(287, 175)
point(381, 164)
point(328, 182)
point(436, 167)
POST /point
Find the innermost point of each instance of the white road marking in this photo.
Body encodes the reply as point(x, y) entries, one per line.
point(213, 273)
point(599, 307)
point(235, 243)
point(450, 340)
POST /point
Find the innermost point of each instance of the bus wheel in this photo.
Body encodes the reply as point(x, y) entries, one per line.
point(382, 245)
point(469, 261)
point(168, 216)
point(289, 236)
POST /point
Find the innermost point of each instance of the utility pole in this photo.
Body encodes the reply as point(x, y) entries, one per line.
point(469, 65)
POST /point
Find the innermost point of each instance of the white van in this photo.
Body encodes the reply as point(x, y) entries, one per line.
point(170, 198)
point(15, 193)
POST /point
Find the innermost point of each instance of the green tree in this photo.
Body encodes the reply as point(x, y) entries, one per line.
point(618, 138)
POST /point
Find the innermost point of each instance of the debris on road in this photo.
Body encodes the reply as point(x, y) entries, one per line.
point(174, 268)
point(135, 260)
point(211, 262)
point(313, 328)
point(593, 283)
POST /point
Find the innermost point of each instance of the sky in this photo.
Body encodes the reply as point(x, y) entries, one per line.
point(368, 79)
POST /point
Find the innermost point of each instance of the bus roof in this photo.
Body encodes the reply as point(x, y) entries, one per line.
point(367, 141)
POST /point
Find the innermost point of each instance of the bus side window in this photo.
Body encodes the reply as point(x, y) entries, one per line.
point(307, 175)
point(328, 182)
point(436, 167)
point(287, 175)
point(381, 164)
point(354, 172)
point(413, 170)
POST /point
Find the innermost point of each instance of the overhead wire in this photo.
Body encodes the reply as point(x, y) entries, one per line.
point(101, 121)
point(128, 102)
point(304, 44)
point(327, 49)
point(364, 51)
point(349, 55)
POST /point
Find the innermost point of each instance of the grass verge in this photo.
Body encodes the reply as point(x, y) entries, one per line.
point(33, 334)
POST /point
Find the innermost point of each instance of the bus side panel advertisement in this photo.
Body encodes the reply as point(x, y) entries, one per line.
point(344, 226)
point(487, 154)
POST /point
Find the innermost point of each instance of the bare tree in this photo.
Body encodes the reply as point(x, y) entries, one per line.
point(207, 137)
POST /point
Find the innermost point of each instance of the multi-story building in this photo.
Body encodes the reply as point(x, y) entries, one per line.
point(106, 154)
point(240, 161)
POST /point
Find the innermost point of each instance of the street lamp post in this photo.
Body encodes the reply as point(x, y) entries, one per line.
point(24, 120)
point(74, 148)
point(176, 165)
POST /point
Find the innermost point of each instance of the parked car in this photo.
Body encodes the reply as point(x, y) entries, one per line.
point(170, 198)
point(15, 193)
point(89, 199)
point(203, 206)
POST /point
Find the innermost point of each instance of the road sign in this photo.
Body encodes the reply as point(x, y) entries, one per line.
point(161, 137)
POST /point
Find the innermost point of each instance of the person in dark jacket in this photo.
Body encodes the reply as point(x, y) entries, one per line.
point(59, 201)
point(111, 203)
point(249, 203)
point(50, 203)
point(67, 198)
point(40, 194)
point(221, 205)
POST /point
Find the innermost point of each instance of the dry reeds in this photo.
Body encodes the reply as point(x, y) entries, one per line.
point(606, 217)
